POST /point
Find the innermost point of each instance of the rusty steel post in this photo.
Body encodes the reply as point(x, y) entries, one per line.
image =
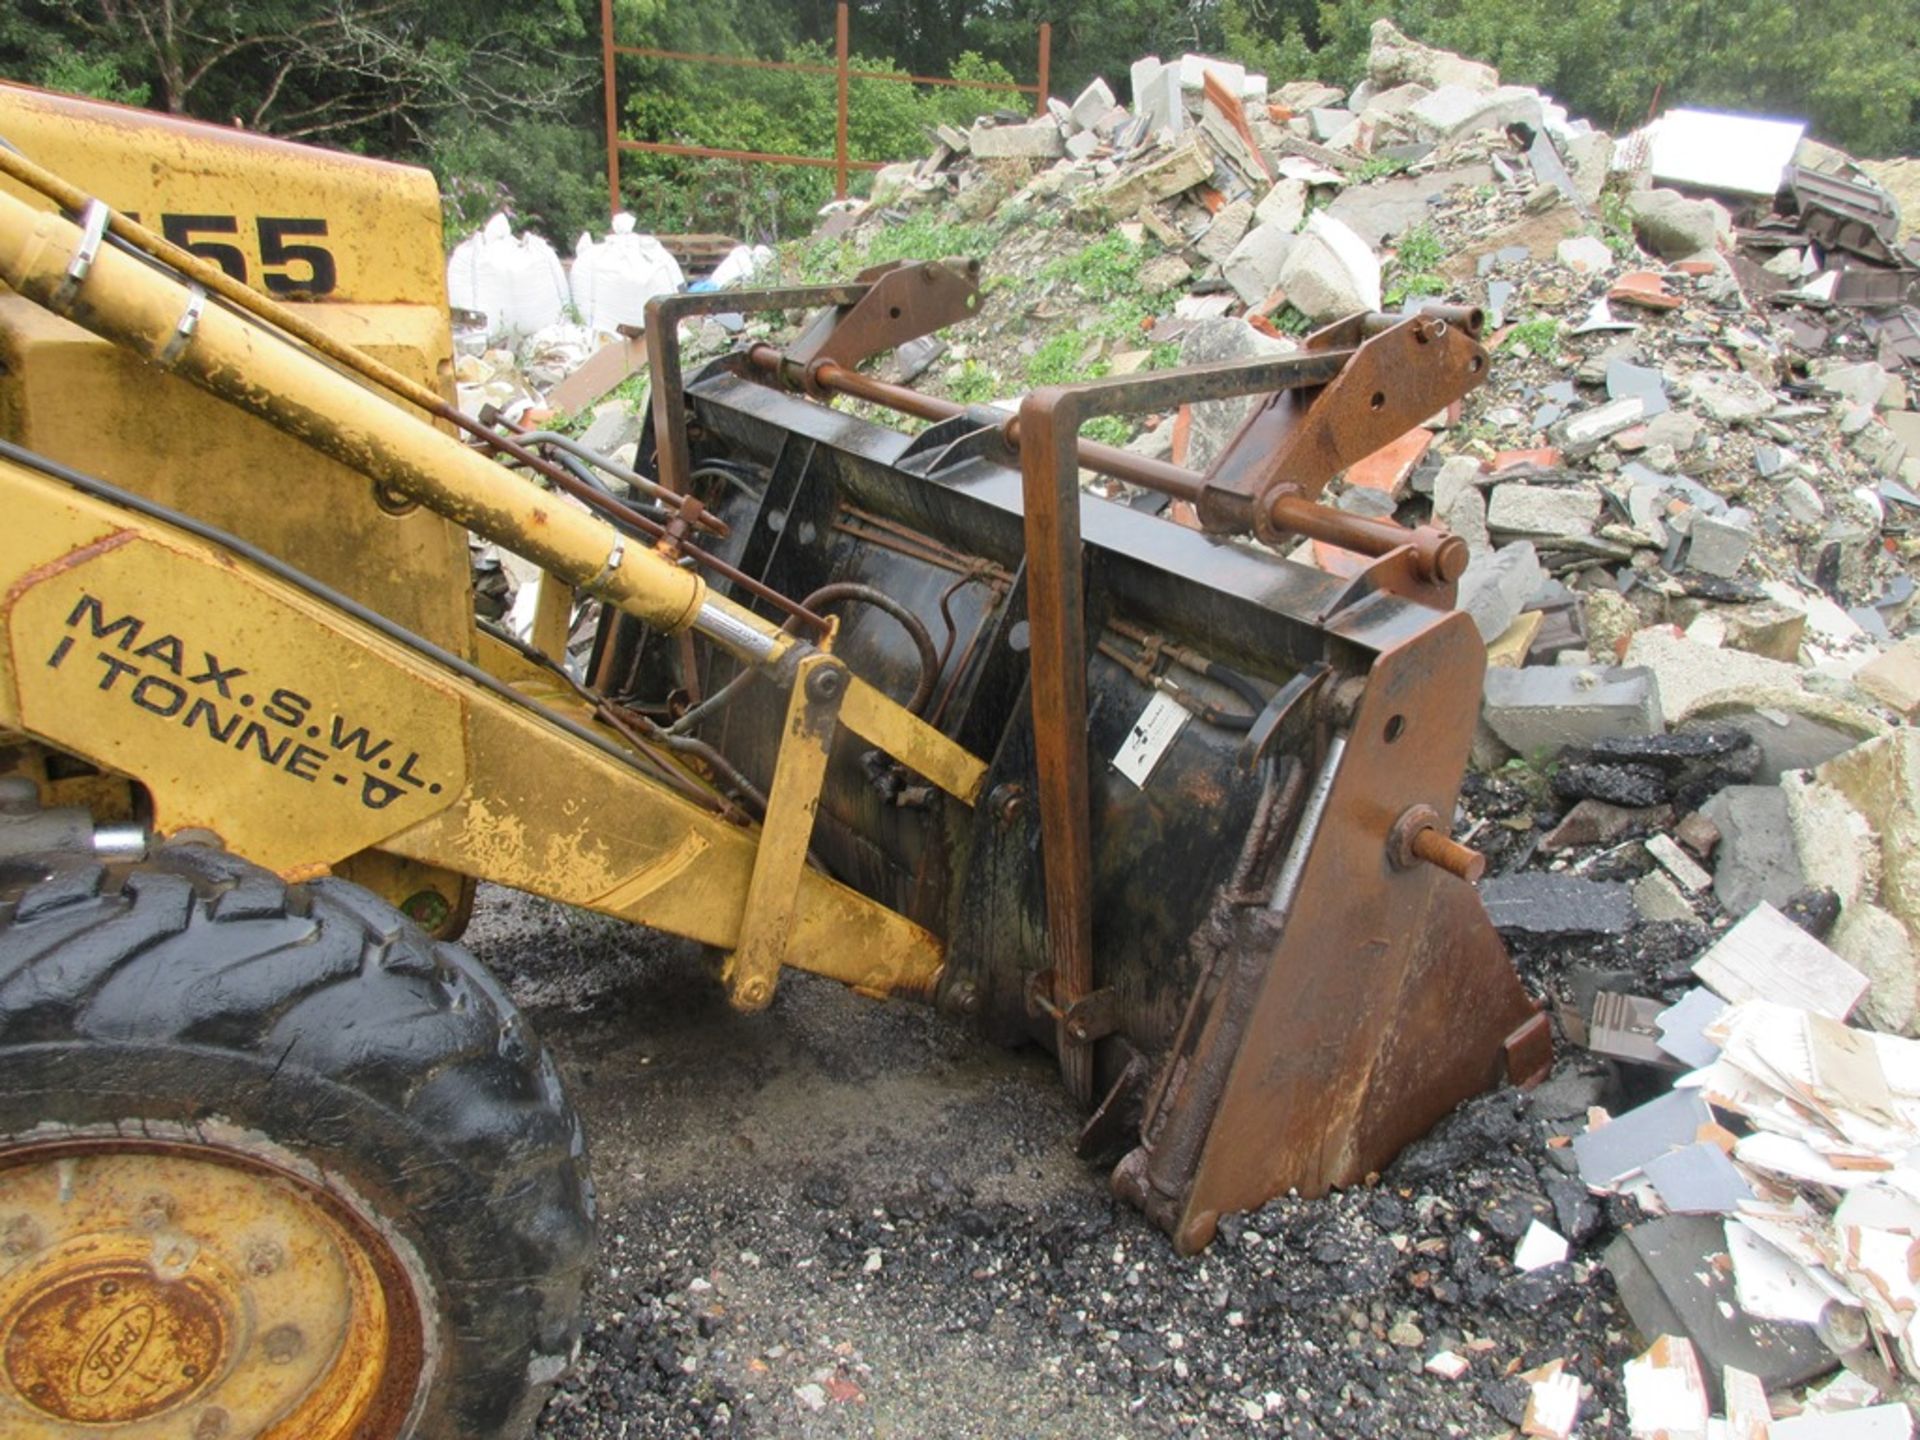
point(1057, 650)
point(613, 107)
point(840, 103)
point(1046, 68)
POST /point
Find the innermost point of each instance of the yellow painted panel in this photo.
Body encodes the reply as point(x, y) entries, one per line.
point(262, 198)
point(240, 709)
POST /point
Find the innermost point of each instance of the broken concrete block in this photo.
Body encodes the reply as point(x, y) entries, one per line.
point(1894, 678)
point(1194, 69)
point(1331, 272)
point(1253, 269)
point(1728, 396)
point(1395, 59)
point(1327, 122)
point(1467, 518)
point(1585, 255)
point(1094, 102)
point(1160, 102)
point(1691, 674)
point(1163, 272)
point(1496, 587)
point(1756, 860)
point(1720, 543)
point(1533, 903)
point(1880, 447)
point(1208, 342)
point(1158, 177)
point(1657, 898)
point(1672, 226)
point(1881, 780)
point(1581, 434)
point(1863, 383)
point(1590, 159)
point(1544, 511)
point(1082, 143)
point(1455, 110)
point(1456, 473)
point(1035, 140)
point(1396, 101)
point(1229, 227)
point(1300, 96)
point(1539, 710)
point(1284, 206)
point(1874, 942)
point(1380, 212)
point(1675, 429)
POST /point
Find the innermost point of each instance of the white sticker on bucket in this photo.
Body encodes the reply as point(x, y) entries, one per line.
point(1152, 733)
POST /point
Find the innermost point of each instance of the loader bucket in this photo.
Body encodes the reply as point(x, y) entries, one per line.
point(1209, 866)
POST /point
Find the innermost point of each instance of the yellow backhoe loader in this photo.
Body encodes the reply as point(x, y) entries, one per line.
point(903, 708)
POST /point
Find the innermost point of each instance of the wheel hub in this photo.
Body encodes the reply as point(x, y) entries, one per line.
point(194, 1293)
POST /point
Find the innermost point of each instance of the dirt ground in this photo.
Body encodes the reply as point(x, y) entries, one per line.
point(844, 1218)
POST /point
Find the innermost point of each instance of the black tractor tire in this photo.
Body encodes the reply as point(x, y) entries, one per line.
point(193, 994)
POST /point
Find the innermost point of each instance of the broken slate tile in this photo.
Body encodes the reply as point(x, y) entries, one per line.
point(1674, 1279)
point(1539, 904)
point(1682, 1026)
point(1624, 380)
point(1698, 1179)
point(1622, 1147)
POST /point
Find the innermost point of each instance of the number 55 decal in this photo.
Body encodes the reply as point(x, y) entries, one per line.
point(287, 268)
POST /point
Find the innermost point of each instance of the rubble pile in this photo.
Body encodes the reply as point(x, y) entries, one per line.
point(1690, 489)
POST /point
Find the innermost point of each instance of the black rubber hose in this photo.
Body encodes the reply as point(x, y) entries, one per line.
point(910, 622)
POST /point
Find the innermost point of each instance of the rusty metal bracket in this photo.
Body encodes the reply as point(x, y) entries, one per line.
point(927, 296)
point(903, 302)
point(1395, 373)
point(1093, 1016)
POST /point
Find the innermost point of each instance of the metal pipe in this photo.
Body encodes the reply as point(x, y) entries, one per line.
point(1295, 865)
point(125, 841)
point(1138, 470)
point(1440, 556)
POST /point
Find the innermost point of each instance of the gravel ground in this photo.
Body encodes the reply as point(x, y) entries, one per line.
point(842, 1218)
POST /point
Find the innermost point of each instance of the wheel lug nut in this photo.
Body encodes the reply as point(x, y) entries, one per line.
point(264, 1258)
point(283, 1343)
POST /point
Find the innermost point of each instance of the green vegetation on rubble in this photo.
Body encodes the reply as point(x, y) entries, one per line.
point(1414, 270)
point(1539, 336)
